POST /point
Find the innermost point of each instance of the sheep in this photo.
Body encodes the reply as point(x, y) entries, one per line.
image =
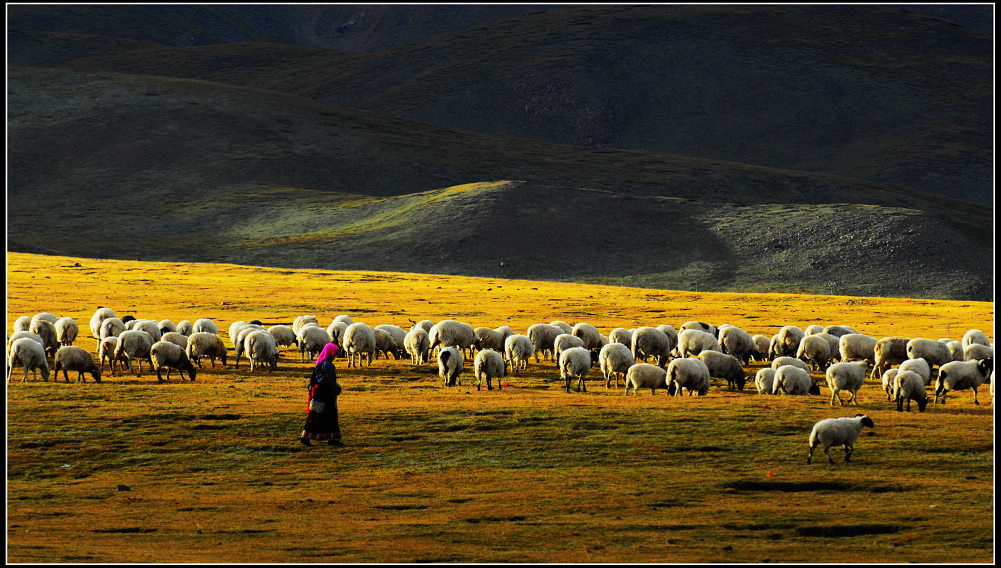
point(30, 354)
point(839, 330)
point(261, 349)
point(786, 342)
point(736, 342)
point(671, 333)
point(450, 365)
point(170, 355)
point(621, 335)
point(564, 326)
point(22, 323)
point(20, 334)
point(685, 373)
point(417, 344)
point(543, 335)
point(723, 366)
point(574, 363)
point(589, 334)
point(302, 320)
point(396, 334)
point(955, 349)
point(960, 375)
point(241, 339)
point(43, 316)
point(106, 352)
point(909, 386)
point(780, 361)
point(793, 380)
point(934, 352)
point(205, 324)
point(234, 329)
point(336, 332)
point(72, 358)
point(645, 375)
point(887, 379)
point(761, 345)
point(518, 349)
point(615, 359)
point(47, 331)
point(185, 327)
point(691, 342)
point(889, 351)
point(111, 327)
point(701, 326)
point(283, 336)
point(919, 366)
point(205, 344)
point(175, 338)
point(857, 347)
point(133, 344)
point(837, 432)
point(167, 326)
point(565, 341)
point(312, 339)
point(149, 326)
point(423, 324)
point(66, 330)
point(813, 329)
point(651, 342)
point(764, 380)
point(975, 336)
point(489, 364)
point(487, 338)
point(343, 318)
point(359, 340)
point(815, 351)
point(451, 333)
point(978, 351)
point(846, 376)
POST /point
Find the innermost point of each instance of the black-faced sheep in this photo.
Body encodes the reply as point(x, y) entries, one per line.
point(165, 354)
point(72, 358)
point(686, 373)
point(837, 432)
point(646, 376)
point(961, 375)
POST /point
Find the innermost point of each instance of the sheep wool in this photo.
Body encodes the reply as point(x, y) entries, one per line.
point(575, 363)
point(961, 375)
point(846, 376)
point(837, 432)
point(30, 354)
point(518, 349)
point(764, 380)
point(647, 376)
point(450, 363)
point(165, 354)
point(615, 359)
point(686, 373)
point(72, 358)
point(909, 386)
point(489, 365)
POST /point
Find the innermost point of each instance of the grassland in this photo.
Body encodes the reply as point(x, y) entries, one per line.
point(129, 470)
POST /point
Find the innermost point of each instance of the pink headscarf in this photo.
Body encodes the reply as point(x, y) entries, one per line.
point(329, 350)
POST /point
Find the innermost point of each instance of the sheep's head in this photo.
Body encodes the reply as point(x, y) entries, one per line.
point(814, 389)
point(985, 366)
point(96, 373)
point(922, 403)
point(866, 421)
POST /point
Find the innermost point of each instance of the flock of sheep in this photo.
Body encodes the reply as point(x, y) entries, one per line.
point(647, 357)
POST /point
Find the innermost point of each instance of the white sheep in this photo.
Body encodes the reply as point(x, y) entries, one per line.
point(686, 373)
point(426, 325)
point(839, 330)
point(846, 376)
point(978, 351)
point(518, 349)
point(397, 335)
point(651, 342)
point(813, 329)
point(589, 334)
point(919, 366)
point(691, 342)
point(106, 352)
point(185, 327)
point(887, 380)
point(72, 358)
point(961, 375)
point(621, 335)
point(359, 341)
point(764, 380)
point(111, 327)
point(736, 342)
point(452, 333)
point(133, 344)
point(43, 316)
point(700, 326)
point(450, 364)
point(22, 323)
point(671, 333)
point(575, 363)
point(837, 432)
point(149, 326)
point(206, 325)
point(489, 364)
point(857, 347)
point(488, 338)
point(934, 352)
point(234, 329)
point(543, 335)
point(300, 321)
point(283, 336)
point(795, 362)
point(240, 343)
point(889, 351)
point(786, 342)
point(564, 326)
point(66, 330)
point(615, 359)
point(166, 326)
point(723, 366)
point(761, 345)
point(20, 334)
point(793, 380)
point(565, 341)
point(261, 349)
point(909, 386)
point(30, 354)
point(417, 344)
point(205, 344)
point(647, 376)
point(815, 351)
point(47, 331)
point(175, 338)
point(975, 336)
point(955, 349)
point(344, 318)
point(164, 354)
point(312, 339)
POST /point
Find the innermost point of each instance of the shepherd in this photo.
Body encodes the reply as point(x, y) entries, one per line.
point(321, 421)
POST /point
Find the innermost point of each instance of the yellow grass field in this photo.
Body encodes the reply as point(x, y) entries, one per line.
point(132, 470)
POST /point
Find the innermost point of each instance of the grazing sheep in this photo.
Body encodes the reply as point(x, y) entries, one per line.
point(691, 342)
point(384, 344)
point(975, 336)
point(615, 359)
point(312, 339)
point(589, 334)
point(934, 352)
point(564, 326)
point(417, 344)
point(955, 349)
point(185, 327)
point(167, 326)
point(343, 318)
point(961, 375)
point(149, 326)
point(205, 344)
point(889, 351)
point(919, 366)
point(450, 366)
point(106, 352)
point(175, 338)
point(723, 366)
point(651, 342)
point(30, 354)
point(621, 335)
point(786, 342)
point(261, 349)
point(234, 329)
point(359, 340)
point(780, 361)
point(813, 329)
point(671, 333)
point(170, 355)
point(518, 349)
point(543, 336)
point(336, 331)
point(815, 351)
point(647, 376)
point(488, 338)
point(43, 316)
point(397, 334)
point(909, 386)
point(133, 344)
point(66, 330)
point(846, 376)
point(300, 321)
point(978, 351)
point(206, 325)
point(72, 358)
point(426, 325)
point(574, 363)
point(790, 379)
point(20, 334)
point(489, 364)
point(857, 347)
point(837, 432)
point(47, 331)
point(887, 379)
point(701, 326)
point(241, 339)
point(839, 330)
point(452, 333)
point(686, 373)
point(22, 323)
point(736, 342)
point(283, 336)
point(761, 345)
point(764, 380)
point(565, 341)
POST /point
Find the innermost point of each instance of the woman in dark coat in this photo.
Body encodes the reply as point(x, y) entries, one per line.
point(321, 422)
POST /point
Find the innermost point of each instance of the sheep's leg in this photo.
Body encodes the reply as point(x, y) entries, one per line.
point(848, 452)
point(854, 398)
point(975, 401)
point(809, 456)
point(827, 450)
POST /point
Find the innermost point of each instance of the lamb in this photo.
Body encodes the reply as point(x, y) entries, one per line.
point(565, 341)
point(701, 326)
point(815, 351)
point(846, 376)
point(451, 333)
point(589, 334)
point(919, 366)
point(396, 334)
point(691, 342)
point(978, 351)
point(887, 379)
point(736, 342)
point(518, 349)
point(417, 344)
point(359, 340)
point(175, 338)
point(889, 351)
point(283, 336)
point(167, 326)
point(761, 345)
point(621, 335)
point(543, 335)
point(261, 349)
point(47, 331)
point(169, 355)
point(133, 344)
point(72, 358)
point(961, 375)
point(723, 366)
point(312, 339)
point(975, 336)
point(450, 365)
point(489, 364)
point(66, 330)
point(909, 386)
point(780, 361)
point(22, 323)
point(645, 375)
point(616, 359)
point(651, 342)
point(837, 432)
point(205, 344)
point(30, 354)
point(786, 341)
point(574, 363)
point(764, 380)
point(185, 327)
point(793, 380)
point(685, 373)
point(206, 325)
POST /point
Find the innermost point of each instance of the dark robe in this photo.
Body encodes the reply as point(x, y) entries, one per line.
point(323, 387)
